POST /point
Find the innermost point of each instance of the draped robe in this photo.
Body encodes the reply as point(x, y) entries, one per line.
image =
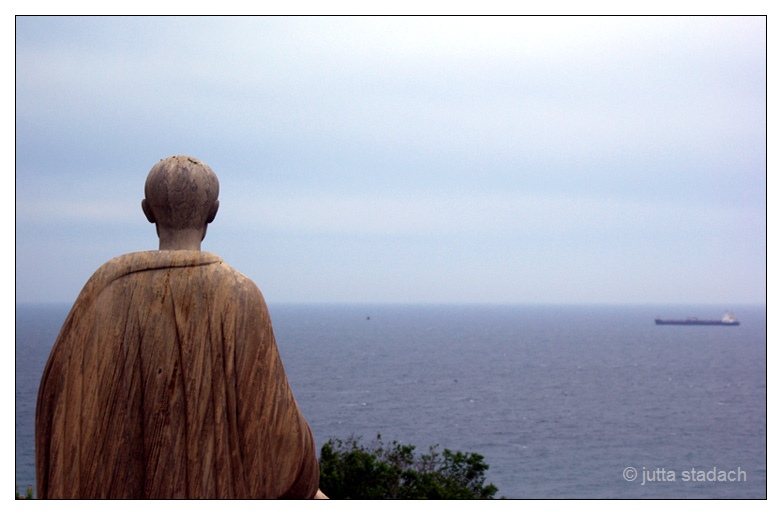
point(165, 382)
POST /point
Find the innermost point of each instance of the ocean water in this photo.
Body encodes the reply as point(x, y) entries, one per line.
point(562, 401)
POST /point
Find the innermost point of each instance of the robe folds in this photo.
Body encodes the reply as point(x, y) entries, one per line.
point(165, 382)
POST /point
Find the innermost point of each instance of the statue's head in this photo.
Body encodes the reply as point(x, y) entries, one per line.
point(181, 193)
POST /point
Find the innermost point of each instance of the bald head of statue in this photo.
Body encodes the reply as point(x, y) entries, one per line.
point(181, 200)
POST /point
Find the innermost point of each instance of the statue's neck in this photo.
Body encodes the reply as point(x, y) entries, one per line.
point(180, 239)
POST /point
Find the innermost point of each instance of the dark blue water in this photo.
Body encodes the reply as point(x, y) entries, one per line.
point(560, 400)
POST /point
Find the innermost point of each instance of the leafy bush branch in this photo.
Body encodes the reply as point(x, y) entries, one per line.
point(349, 470)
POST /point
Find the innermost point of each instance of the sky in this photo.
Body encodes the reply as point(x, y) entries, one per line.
point(406, 160)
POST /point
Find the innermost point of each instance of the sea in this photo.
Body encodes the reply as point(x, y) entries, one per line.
point(563, 402)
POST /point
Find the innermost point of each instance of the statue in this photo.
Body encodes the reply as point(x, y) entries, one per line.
point(165, 380)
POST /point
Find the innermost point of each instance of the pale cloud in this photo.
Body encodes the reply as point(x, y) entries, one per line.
point(500, 143)
point(476, 214)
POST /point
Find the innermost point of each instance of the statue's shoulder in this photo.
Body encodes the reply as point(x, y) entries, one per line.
point(156, 259)
point(150, 260)
point(164, 259)
point(240, 287)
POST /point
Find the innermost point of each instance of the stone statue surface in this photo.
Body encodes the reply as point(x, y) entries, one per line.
point(165, 380)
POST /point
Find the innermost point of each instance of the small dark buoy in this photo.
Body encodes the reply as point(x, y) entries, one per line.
point(367, 318)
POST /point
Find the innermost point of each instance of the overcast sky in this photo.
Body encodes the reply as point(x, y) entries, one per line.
point(520, 159)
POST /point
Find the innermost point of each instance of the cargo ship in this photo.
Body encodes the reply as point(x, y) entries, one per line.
point(728, 319)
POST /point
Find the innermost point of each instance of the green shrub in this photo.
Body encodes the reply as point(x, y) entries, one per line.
point(27, 495)
point(348, 470)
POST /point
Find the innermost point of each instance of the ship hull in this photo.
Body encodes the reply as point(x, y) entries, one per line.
point(694, 322)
